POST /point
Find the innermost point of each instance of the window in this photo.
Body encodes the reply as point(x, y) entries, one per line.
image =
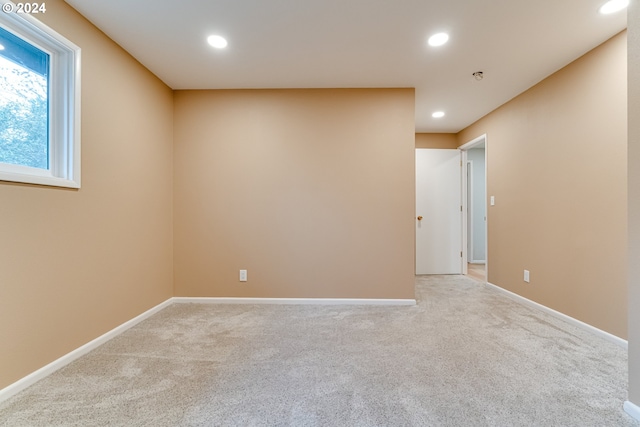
point(39, 104)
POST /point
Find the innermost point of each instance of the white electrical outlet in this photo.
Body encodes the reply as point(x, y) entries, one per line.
point(492, 200)
point(526, 276)
point(243, 275)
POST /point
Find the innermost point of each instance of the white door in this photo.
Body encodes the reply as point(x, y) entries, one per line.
point(438, 212)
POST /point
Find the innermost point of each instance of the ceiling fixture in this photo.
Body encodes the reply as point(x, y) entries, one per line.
point(478, 75)
point(613, 6)
point(1, 47)
point(218, 42)
point(438, 115)
point(438, 39)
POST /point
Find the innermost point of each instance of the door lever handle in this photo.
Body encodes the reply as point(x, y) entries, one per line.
point(420, 218)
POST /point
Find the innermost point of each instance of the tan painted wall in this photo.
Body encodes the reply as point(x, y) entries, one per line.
point(311, 191)
point(557, 168)
point(75, 264)
point(633, 17)
point(436, 140)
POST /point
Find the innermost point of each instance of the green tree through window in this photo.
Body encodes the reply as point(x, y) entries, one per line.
point(24, 124)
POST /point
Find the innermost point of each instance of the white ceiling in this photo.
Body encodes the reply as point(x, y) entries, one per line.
point(360, 43)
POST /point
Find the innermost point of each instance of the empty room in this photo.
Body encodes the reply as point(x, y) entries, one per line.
point(319, 213)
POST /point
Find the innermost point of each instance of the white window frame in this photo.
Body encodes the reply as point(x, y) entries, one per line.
point(64, 104)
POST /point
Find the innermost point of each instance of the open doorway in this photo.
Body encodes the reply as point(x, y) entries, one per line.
point(474, 208)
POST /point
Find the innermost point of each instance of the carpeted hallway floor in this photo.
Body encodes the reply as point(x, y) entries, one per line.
point(464, 356)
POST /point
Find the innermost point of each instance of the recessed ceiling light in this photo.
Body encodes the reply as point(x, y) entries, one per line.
point(218, 42)
point(613, 6)
point(438, 39)
point(438, 114)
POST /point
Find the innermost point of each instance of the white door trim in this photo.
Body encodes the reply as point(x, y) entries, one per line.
point(469, 207)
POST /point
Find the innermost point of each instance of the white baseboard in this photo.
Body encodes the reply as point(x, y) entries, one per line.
point(632, 409)
point(606, 335)
point(61, 362)
point(478, 261)
point(300, 301)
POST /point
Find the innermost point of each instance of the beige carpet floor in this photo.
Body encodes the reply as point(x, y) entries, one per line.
point(464, 356)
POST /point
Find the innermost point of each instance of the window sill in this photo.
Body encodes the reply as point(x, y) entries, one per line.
point(44, 179)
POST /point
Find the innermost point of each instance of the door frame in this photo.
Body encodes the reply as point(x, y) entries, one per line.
point(463, 170)
point(465, 204)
